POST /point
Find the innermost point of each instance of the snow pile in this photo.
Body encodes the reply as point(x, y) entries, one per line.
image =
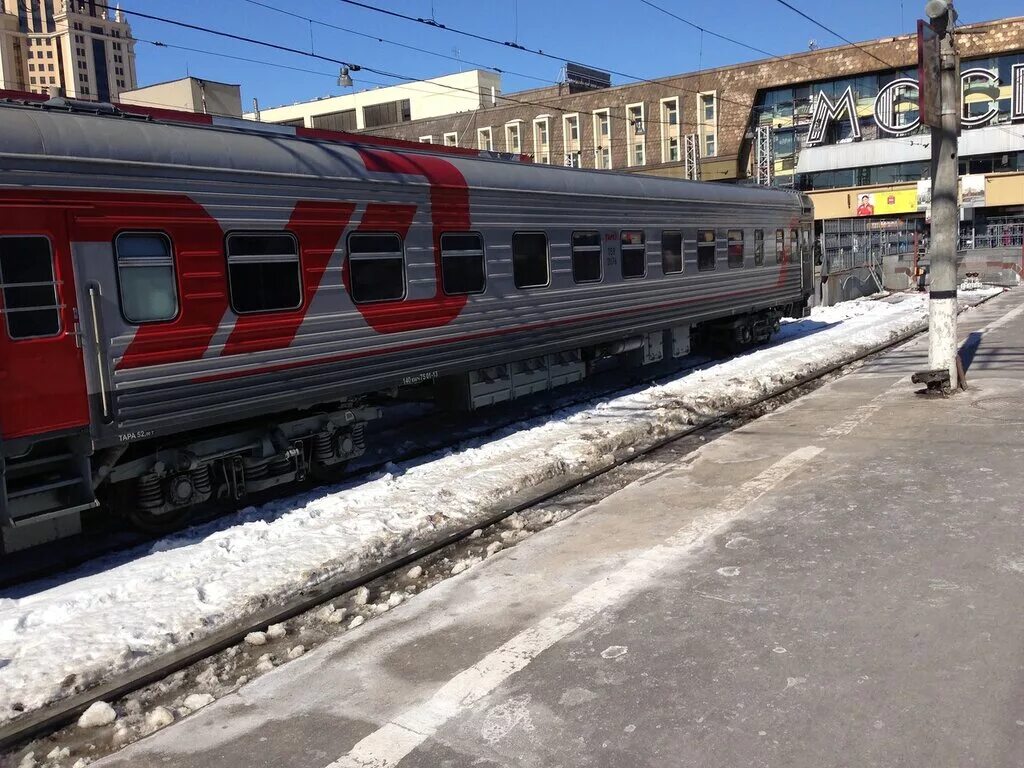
point(69, 637)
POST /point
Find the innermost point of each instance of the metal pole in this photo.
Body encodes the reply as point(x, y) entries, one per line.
point(942, 307)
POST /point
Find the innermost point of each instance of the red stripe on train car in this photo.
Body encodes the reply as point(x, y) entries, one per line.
point(197, 240)
point(318, 225)
point(449, 212)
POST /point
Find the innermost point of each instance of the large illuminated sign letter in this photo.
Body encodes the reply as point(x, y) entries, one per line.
point(825, 111)
point(893, 94)
point(969, 77)
point(1017, 89)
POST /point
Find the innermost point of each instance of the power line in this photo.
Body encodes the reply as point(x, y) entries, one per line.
point(357, 67)
point(534, 51)
point(379, 39)
point(835, 34)
point(755, 49)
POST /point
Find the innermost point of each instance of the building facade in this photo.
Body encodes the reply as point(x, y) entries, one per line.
point(840, 123)
point(189, 94)
point(73, 45)
point(392, 105)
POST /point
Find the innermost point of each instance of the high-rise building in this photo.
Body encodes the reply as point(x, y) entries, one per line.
point(12, 52)
point(76, 45)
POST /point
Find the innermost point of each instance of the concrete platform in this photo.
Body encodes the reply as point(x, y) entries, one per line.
point(840, 583)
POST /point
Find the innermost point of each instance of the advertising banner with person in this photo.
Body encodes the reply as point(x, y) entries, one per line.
point(878, 203)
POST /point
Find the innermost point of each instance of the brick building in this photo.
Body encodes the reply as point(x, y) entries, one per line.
point(840, 124)
point(720, 106)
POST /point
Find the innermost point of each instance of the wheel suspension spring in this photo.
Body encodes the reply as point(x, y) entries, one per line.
point(358, 438)
point(323, 446)
point(150, 491)
point(256, 469)
point(280, 465)
point(201, 480)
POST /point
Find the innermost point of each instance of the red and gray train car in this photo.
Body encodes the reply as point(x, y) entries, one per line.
point(196, 308)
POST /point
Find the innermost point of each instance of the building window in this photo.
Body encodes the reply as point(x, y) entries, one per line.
point(780, 245)
point(574, 159)
point(541, 140)
point(707, 103)
point(634, 253)
point(572, 127)
point(602, 139)
point(426, 139)
point(263, 272)
point(29, 289)
point(376, 266)
point(671, 252)
point(706, 248)
point(707, 122)
point(462, 263)
point(670, 130)
point(513, 141)
point(758, 247)
point(451, 139)
point(735, 238)
point(484, 139)
point(387, 113)
point(530, 259)
point(586, 257)
point(343, 120)
point(635, 133)
point(145, 277)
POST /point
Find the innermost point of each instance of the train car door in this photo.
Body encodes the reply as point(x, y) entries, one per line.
point(97, 298)
point(42, 378)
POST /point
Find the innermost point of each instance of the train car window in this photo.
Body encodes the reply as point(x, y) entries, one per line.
point(376, 264)
point(634, 253)
point(462, 263)
point(145, 277)
point(794, 245)
point(263, 272)
point(758, 247)
point(530, 259)
point(707, 245)
point(586, 257)
point(30, 291)
point(780, 245)
point(735, 248)
point(671, 252)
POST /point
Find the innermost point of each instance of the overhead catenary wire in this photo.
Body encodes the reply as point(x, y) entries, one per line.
point(534, 51)
point(499, 70)
point(386, 41)
point(356, 67)
point(734, 41)
point(832, 32)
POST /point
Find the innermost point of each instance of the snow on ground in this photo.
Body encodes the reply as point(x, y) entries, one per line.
point(64, 638)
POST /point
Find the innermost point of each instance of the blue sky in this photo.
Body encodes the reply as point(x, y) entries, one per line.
point(623, 35)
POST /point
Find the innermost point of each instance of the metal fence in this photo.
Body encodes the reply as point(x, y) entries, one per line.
point(995, 235)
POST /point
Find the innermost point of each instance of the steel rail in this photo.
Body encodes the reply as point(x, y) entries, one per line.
point(51, 717)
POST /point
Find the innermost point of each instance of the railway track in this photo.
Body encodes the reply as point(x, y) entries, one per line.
point(49, 719)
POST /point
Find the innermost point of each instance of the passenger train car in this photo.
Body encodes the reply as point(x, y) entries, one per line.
point(196, 308)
